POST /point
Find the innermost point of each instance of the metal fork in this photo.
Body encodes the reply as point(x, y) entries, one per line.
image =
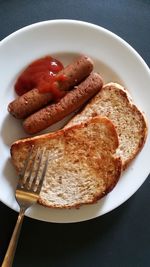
point(27, 193)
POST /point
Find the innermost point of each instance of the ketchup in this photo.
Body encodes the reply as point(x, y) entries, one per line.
point(41, 74)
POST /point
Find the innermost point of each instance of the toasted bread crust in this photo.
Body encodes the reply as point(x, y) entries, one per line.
point(86, 164)
point(130, 122)
point(142, 140)
point(39, 140)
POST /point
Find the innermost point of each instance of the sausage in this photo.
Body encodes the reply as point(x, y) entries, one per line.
point(28, 103)
point(34, 100)
point(75, 73)
point(69, 103)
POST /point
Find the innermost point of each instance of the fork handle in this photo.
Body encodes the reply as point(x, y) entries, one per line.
point(8, 260)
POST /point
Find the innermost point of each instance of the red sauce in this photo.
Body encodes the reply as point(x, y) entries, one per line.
point(41, 74)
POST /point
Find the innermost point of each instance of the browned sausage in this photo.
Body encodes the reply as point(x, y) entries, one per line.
point(69, 103)
point(75, 73)
point(28, 103)
point(33, 100)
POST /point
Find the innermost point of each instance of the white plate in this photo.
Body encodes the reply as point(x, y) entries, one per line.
point(114, 59)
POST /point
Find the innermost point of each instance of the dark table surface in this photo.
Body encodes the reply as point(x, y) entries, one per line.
point(120, 238)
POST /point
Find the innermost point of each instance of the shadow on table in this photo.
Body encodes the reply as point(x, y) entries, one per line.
point(48, 244)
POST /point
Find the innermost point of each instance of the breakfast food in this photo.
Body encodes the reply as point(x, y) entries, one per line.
point(86, 158)
point(114, 102)
point(28, 103)
point(69, 103)
point(82, 164)
point(47, 85)
point(39, 71)
point(74, 73)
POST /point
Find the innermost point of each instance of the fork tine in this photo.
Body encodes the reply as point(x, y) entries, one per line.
point(32, 176)
point(35, 179)
point(43, 173)
point(28, 179)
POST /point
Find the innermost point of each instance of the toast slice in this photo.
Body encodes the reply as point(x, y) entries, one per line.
point(82, 165)
point(114, 102)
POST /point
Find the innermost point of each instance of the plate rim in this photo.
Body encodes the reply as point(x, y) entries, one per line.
point(88, 24)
